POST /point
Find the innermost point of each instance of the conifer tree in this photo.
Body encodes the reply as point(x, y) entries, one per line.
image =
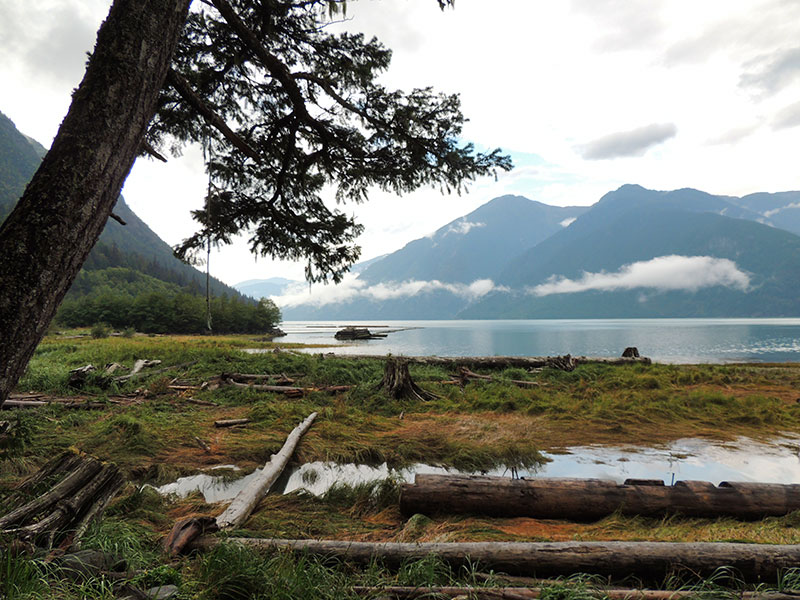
point(285, 107)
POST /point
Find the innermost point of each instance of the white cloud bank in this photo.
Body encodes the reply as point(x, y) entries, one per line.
point(353, 289)
point(664, 273)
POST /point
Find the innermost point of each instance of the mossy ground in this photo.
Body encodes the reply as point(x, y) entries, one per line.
point(149, 428)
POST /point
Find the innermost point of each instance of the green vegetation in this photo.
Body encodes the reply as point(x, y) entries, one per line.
point(148, 428)
point(170, 311)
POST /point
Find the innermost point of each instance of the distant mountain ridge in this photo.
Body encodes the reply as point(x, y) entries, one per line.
point(635, 253)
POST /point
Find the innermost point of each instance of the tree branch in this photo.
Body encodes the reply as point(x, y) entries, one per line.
point(189, 95)
point(273, 64)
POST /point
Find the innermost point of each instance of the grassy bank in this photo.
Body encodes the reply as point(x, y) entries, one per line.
point(149, 429)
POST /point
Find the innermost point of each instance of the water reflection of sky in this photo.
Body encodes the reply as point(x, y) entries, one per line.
point(666, 340)
point(777, 461)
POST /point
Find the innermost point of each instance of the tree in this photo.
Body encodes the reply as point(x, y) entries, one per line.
point(282, 107)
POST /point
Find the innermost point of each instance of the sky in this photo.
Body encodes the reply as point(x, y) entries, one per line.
point(585, 95)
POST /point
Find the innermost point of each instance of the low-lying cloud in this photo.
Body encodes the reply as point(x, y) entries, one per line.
point(634, 142)
point(664, 273)
point(463, 227)
point(775, 211)
point(353, 289)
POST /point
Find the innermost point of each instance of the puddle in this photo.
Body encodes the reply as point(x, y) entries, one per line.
point(777, 461)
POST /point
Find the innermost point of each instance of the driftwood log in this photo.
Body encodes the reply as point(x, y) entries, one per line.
point(527, 593)
point(464, 375)
point(398, 384)
point(247, 499)
point(500, 362)
point(592, 499)
point(647, 560)
point(185, 531)
point(78, 489)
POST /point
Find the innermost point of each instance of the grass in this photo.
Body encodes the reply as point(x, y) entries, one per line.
point(149, 428)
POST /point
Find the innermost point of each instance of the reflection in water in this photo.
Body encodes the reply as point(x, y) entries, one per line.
point(777, 461)
point(664, 340)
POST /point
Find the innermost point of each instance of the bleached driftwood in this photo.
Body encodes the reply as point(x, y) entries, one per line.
point(246, 500)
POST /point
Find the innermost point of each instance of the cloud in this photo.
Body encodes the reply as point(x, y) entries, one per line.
point(462, 227)
point(775, 211)
point(772, 72)
point(624, 25)
point(732, 136)
point(353, 289)
point(788, 116)
point(51, 38)
point(568, 221)
point(634, 142)
point(664, 273)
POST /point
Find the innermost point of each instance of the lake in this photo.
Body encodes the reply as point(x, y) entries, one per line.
point(663, 340)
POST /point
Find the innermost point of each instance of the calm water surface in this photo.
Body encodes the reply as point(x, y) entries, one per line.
point(664, 340)
point(774, 461)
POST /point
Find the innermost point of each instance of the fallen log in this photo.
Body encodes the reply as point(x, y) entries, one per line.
point(289, 390)
point(648, 560)
point(247, 499)
point(496, 362)
point(592, 499)
point(9, 404)
point(230, 422)
point(464, 375)
point(526, 593)
point(281, 379)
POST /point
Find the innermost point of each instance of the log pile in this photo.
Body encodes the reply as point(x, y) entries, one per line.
point(77, 490)
point(592, 499)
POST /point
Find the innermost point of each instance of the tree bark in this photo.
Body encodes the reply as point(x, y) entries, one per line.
point(648, 560)
point(48, 235)
point(592, 499)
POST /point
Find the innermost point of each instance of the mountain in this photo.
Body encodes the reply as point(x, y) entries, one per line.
point(472, 247)
point(635, 253)
point(635, 225)
point(134, 246)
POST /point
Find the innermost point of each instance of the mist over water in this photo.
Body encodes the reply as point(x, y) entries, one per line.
point(663, 340)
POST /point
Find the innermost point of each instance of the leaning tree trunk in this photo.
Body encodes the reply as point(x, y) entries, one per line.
point(48, 235)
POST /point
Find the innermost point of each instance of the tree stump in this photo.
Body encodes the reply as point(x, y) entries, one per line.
point(398, 383)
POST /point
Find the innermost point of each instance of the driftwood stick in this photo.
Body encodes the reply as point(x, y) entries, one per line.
point(246, 500)
point(464, 374)
point(753, 562)
point(202, 444)
point(140, 373)
point(289, 390)
point(230, 422)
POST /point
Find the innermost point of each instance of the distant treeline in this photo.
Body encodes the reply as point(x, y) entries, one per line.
point(125, 298)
